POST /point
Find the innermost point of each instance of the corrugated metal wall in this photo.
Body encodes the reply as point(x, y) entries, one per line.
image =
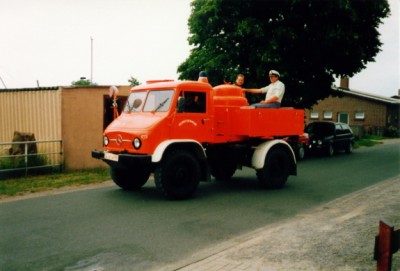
point(36, 111)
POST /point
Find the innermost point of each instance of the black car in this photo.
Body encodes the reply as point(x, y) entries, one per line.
point(329, 137)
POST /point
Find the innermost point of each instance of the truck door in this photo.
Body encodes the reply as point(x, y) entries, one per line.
point(192, 120)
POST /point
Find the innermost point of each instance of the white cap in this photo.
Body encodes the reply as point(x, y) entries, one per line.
point(274, 72)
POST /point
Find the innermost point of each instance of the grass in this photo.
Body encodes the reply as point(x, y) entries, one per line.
point(33, 184)
point(369, 141)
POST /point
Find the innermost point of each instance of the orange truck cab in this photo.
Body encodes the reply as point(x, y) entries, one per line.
point(185, 132)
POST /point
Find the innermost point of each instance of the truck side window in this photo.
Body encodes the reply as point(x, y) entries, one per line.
point(192, 102)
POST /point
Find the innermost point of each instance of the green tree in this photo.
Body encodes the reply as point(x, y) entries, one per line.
point(83, 82)
point(133, 81)
point(310, 42)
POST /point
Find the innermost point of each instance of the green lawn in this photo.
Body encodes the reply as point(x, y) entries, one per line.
point(369, 141)
point(32, 184)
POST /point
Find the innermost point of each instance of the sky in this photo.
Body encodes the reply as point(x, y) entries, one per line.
point(55, 42)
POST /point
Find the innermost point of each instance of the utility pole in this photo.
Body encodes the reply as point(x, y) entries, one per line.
point(91, 60)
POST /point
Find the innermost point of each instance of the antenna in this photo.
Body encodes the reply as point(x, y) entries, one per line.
point(91, 59)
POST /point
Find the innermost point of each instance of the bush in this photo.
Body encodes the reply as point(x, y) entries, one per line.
point(392, 131)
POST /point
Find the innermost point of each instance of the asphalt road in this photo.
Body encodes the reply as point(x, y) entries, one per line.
point(110, 229)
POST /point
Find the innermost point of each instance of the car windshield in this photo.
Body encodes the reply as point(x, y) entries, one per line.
point(152, 101)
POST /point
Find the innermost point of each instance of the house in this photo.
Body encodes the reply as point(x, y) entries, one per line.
point(365, 113)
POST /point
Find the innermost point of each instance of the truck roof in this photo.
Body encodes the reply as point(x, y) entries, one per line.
point(171, 84)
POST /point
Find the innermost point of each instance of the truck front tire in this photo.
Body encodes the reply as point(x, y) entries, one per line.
point(276, 169)
point(129, 179)
point(178, 175)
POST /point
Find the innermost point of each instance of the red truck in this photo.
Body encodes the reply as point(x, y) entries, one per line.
point(185, 131)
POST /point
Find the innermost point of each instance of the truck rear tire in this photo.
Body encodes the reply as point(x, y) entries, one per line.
point(276, 169)
point(129, 179)
point(178, 175)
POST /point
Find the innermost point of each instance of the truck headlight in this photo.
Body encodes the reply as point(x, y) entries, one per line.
point(137, 143)
point(105, 140)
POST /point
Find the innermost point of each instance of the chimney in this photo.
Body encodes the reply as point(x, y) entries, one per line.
point(344, 82)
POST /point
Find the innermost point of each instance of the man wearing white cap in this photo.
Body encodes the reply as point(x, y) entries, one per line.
point(274, 91)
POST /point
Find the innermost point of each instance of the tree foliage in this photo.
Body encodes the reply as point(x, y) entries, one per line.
point(310, 42)
point(83, 82)
point(133, 81)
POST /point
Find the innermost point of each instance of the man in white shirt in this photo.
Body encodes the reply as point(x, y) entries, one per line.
point(274, 92)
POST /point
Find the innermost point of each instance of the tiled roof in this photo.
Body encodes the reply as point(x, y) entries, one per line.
point(370, 96)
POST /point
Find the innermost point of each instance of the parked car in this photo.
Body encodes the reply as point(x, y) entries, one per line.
point(329, 137)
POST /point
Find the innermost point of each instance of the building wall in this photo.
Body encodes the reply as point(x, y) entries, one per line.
point(82, 124)
point(375, 113)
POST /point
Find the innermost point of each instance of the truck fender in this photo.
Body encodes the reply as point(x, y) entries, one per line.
point(159, 151)
point(258, 159)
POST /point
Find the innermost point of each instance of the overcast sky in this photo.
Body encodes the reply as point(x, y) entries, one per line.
point(50, 42)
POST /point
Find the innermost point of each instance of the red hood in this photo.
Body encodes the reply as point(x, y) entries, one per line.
point(133, 122)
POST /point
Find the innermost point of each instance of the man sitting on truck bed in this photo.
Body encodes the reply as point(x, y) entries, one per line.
point(274, 91)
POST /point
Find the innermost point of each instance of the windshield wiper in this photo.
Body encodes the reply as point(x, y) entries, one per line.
point(160, 105)
point(129, 106)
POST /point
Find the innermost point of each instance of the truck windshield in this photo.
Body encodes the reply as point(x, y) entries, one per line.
point(152, 101)
point(135, 102)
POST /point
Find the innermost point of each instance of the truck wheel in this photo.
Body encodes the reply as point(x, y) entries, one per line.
point(275, 172)
point(129, 179)
point(178, 175)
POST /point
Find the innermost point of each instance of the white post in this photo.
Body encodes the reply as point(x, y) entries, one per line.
point(91, 60)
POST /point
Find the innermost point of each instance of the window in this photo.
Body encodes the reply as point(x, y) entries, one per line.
point(328, 115)
point(359, 115)
point(135, 102)
point(192, 102)
point(314, 115)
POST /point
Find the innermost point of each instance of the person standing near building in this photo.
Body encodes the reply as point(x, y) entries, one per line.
point(274, 92)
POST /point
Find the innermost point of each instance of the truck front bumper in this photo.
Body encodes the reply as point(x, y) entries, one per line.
point(122, 160)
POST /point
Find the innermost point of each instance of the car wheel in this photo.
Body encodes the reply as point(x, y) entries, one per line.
point(331, 150)
point(349, 148)
point(300, 152)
